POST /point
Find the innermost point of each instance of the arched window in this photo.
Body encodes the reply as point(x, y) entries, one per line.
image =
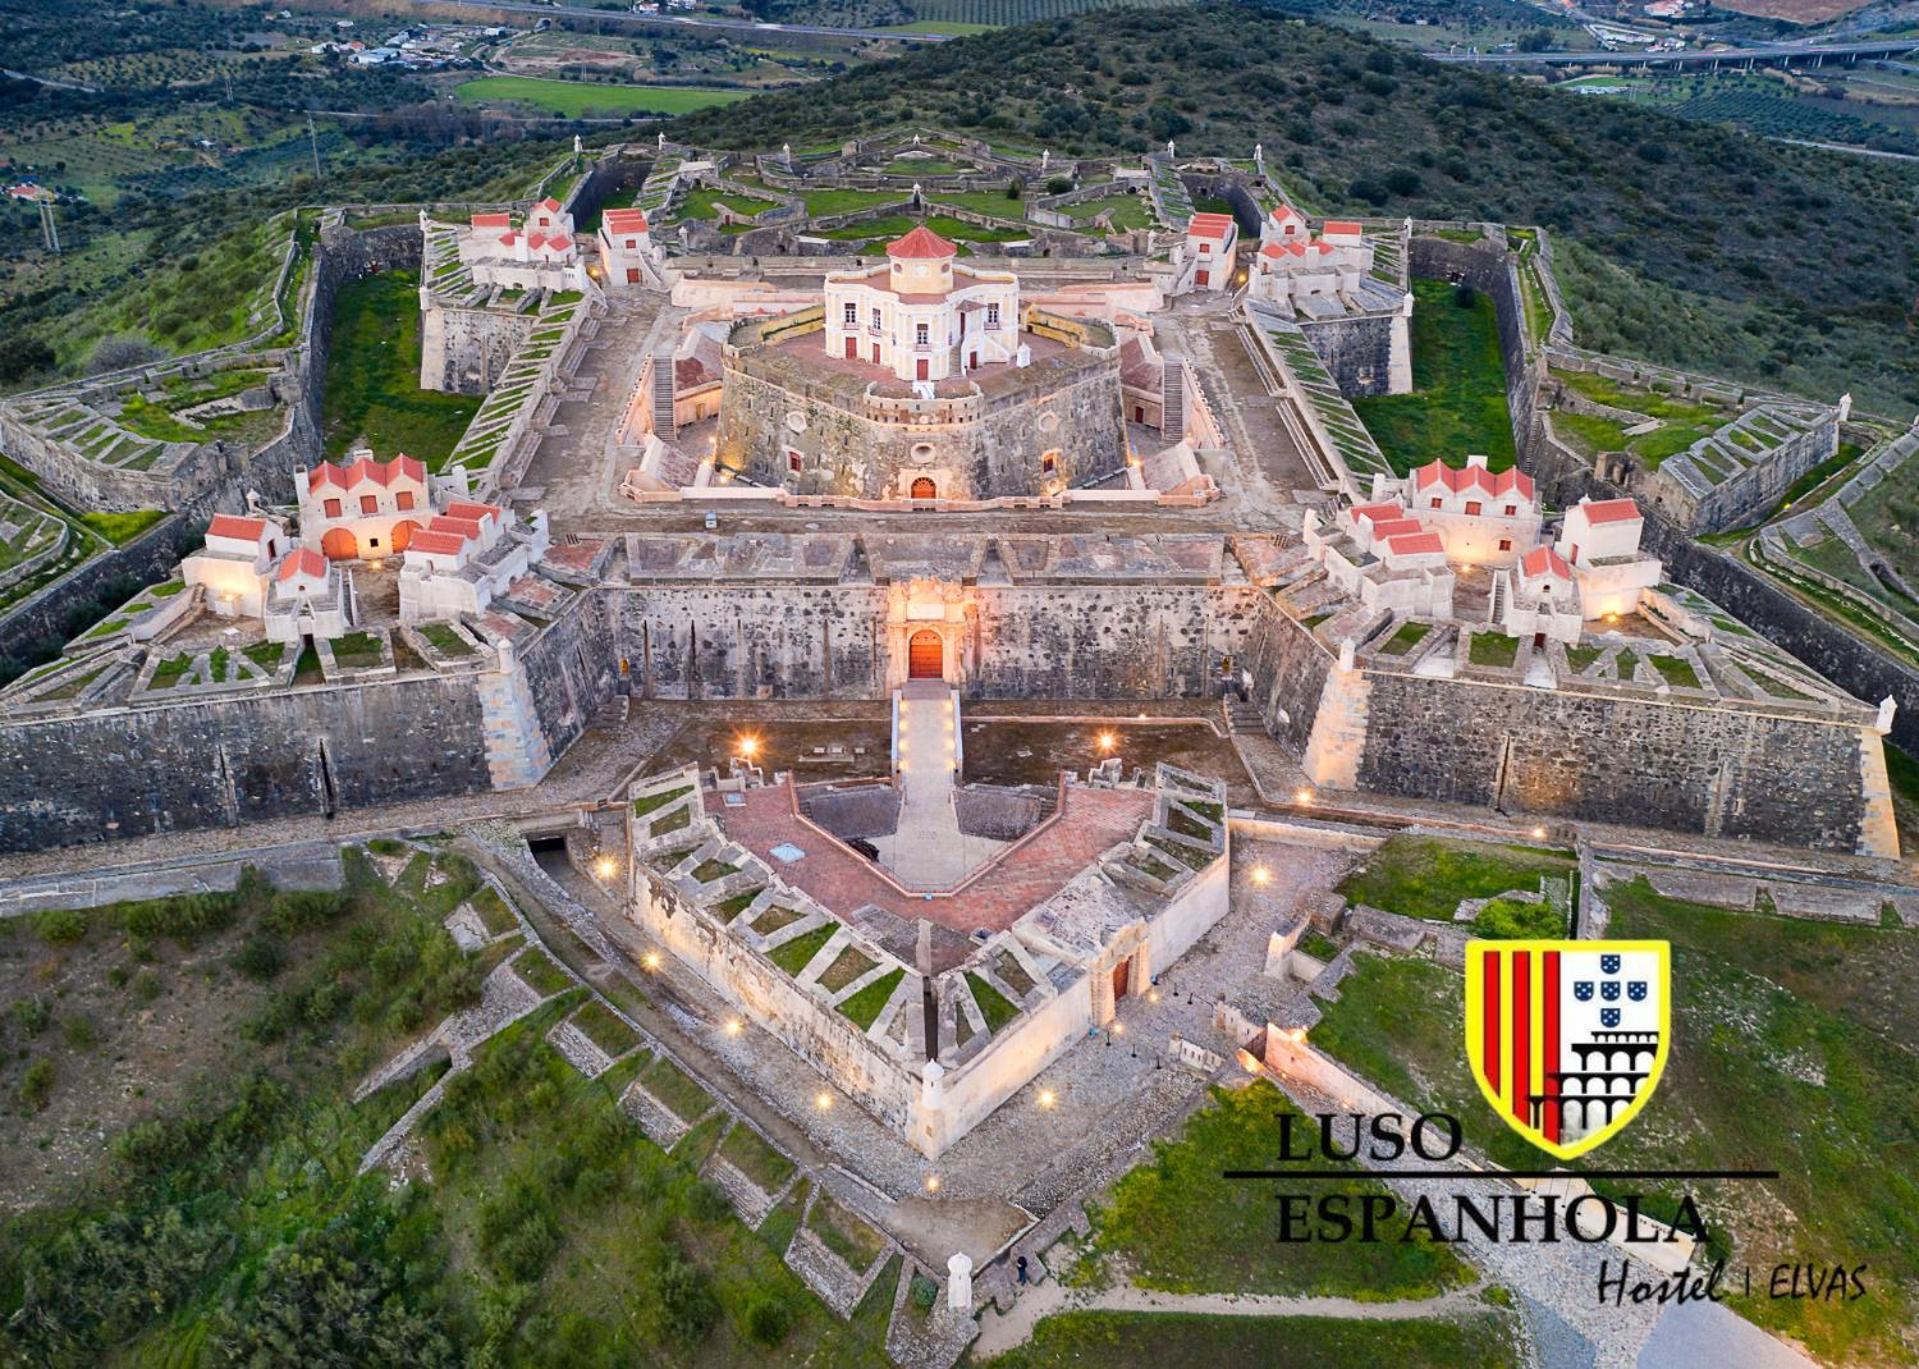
point(924, 488)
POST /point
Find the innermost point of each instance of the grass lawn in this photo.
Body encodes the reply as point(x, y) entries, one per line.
point(122, 528)
point(864, 1007)
point(1492, 649)
point(701, 204)
point(844, 1234)
point(1427, 876)
point(373, 376)
point(994, 202)
point(1185, 1340)
point(1129, 211)
point(1458, 404)
point(540, 973)
point(605, 1030)
point(675, 1088)
point(826, 202)
point(577, 98)
point(754, 1158)
point(793, 956)
point(1180, 1228)
point(994, 1006)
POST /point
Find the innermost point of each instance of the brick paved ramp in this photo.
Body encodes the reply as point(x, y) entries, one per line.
point(1090, 821)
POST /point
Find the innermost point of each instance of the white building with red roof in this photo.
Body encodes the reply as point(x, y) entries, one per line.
point(1294, 265)
point(1485, 518)
point(1542, 598)
point(923, 316)
point(236, 565)
point(310, 597)
point(1381, 555)
point(1211, 240)
point(464, 557)
point(627, 254)
point(540, 253)
point(1599, 539)
point(363, 509)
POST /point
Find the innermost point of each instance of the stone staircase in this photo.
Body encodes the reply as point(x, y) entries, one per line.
point(663, 422)
point(1242, 716)
point(517, 754)
point(1173, 399)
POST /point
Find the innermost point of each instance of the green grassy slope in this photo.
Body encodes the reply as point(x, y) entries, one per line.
point(1698, 243)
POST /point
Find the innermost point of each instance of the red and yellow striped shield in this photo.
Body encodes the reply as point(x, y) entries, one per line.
point(1568, 1038)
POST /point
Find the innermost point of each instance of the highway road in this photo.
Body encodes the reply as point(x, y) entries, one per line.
point(1769, 53)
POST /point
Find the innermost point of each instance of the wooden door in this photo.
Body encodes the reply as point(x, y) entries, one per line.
point(925, 657)
point(1122, 973)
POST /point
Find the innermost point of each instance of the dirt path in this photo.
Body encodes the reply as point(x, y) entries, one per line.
point(998, 1334)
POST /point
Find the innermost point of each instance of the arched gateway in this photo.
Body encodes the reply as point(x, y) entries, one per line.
point(926, 657)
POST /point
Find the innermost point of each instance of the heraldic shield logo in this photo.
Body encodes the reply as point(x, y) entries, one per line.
point(1568, 1038)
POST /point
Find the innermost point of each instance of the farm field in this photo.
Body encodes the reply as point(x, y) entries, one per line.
point(577, 99)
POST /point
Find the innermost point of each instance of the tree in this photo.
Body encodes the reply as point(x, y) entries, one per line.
point(21, 356)
point(1535, 40)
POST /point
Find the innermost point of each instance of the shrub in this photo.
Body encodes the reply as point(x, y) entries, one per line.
point(768, 1319)
point(79, 1032)
point(33, 1014)
point(36, 1085)
point(147, 986)
point(61, 927)
point(261, 957)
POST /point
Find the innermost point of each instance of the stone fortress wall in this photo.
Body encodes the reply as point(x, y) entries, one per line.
point(982, 446)
point(464, 351)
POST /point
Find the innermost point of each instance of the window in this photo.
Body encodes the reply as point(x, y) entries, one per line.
point(1511, 509)
point(1505, 544)
point(992, 314)
point(876, 320)
point(332, 507)
point(631, 243)
point(1435, 501)
point(794, 461)
point(369, 503)
point(1472, 508)
point(1575, 555)
point(1206, 249)
point(404, 499)
point(852, 315)
point(920, 337)
point(1049, 462)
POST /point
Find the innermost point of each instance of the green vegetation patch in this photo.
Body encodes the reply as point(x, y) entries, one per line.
point(747, 1152)
point(683, 1097)
point(647, 803)
point(1511, 919)
point(729, 908)
point(1426, 877)
point(540, 973)
point(1458, 404)
point(373, 389)
point(844, 1234)
point(994, 1006)
point(847, 966)
point(865, 1006)
point(1676, 671)
point(1408, 636)
point(604, 1029)
point(579, 99)
point(122, 528)
point(794, 956)
point(1187, 1340)
point(493, 911)
point(1179, 1229)
point(1492, 649)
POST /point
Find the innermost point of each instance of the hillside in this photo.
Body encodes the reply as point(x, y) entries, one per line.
point(1782, 265)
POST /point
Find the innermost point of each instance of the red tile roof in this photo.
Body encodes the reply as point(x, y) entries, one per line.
point(624, 220)
point(1341, 226)
point(1611, 511)
point(1210, 225)
point(466, 508)
point(559, 242)
point(1377, 512)
point(492, 220)
point(1416, 544)
point(245, 529)
point(1396, 527)
point(922, 243)
point(1545, 561)
point(379, 472)
point(303, 561)
point(550, 205)
point(1459, 479)
point(464, 528)
point(437, 543)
